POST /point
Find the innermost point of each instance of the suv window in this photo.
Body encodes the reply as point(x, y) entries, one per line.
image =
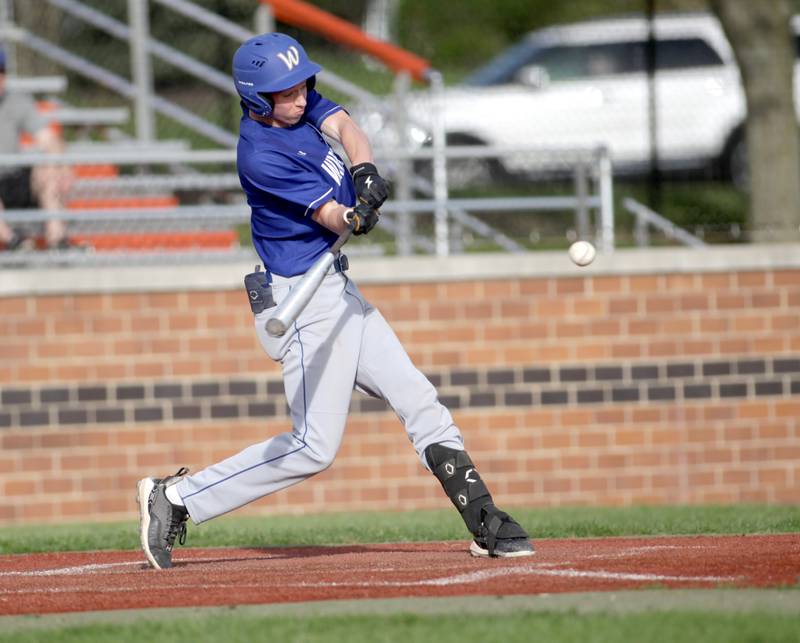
point(576, 61)
point(563, 63)
point(567, 62)
point(688, 52)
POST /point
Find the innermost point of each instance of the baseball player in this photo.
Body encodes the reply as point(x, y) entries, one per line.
point(302, 197)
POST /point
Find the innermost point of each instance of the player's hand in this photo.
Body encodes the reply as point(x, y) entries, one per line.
point(370, 186)
point(362, 218)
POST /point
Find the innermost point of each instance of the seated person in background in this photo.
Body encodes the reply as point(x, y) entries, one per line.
point(26, 187)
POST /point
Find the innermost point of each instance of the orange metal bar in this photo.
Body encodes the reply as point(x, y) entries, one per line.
point(305, 16)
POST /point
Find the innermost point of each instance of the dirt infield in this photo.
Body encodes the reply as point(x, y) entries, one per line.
point(109, 580)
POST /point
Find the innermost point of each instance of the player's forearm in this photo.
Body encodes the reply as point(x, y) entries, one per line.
point(356, 144)
point(331, 216)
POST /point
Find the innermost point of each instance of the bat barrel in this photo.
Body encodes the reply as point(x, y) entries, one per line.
point(296, 300)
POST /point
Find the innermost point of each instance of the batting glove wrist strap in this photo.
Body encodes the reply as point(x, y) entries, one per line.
point(370, 187)
point(362, 218)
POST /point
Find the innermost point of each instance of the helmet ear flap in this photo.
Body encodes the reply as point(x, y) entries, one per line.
point(270, 103)
point(311, 83)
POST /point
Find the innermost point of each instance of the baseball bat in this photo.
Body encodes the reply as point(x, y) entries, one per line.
point(288, 310)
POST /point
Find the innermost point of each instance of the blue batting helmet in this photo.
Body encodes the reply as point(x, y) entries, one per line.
point(270, 63)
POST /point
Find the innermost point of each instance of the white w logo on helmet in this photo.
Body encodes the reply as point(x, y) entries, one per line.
point(290, 58)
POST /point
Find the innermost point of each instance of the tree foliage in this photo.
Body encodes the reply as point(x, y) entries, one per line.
point(464, 34)
point(764, 47)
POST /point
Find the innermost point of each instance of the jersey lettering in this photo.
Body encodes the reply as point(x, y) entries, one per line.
point(334, 167)
point(290, 58)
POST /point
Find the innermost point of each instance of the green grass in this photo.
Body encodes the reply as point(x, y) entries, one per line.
point(443, 628)
point(327, 529)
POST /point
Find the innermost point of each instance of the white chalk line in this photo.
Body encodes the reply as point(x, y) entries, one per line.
point(122, 590)
point(540, 569)
point(490, 574)
point(458, 579)
point(91, 568)
point(636, 551)
point(76, 570)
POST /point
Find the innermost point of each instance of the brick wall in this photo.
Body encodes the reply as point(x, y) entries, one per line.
point(673, 383)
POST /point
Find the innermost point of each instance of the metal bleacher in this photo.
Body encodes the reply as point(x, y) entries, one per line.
point(135, 197)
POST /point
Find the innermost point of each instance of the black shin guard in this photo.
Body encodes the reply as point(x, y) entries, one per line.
point(461, 482)
point(467, 491)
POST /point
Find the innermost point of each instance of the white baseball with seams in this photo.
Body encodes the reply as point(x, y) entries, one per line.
point(582, 253)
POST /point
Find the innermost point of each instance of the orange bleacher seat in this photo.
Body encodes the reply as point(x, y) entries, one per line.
point(107, 171)
point(130, 202)
point(130, 241)
point(219, 239)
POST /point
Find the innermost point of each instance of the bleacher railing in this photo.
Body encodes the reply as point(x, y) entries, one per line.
point(150, 164)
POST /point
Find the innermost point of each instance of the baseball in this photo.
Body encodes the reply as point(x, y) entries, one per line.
point(582, 253)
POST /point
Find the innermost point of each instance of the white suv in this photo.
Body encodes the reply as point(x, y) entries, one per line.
point(585, 84)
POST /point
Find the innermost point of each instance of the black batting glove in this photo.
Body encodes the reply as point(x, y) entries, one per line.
point(370, 186)
point(362, 218)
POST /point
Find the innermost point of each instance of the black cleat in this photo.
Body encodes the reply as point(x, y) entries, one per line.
point(160, 522)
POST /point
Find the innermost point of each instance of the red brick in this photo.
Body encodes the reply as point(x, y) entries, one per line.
point(39, 463)
point(164, 300)
point(557, 485)
point(559, 440)
point(766, 300)
point(24, 487)
point(785, 322)
point(609, 284)
point(748, 323)
point(10, 442)
point(533, 287)
point(443, 311)
point(751, 279)
point(38, 511)
point(58, 485)
point(592, 439)
point(631, 481)
point(151, 369)
point(626, 350)
point(734, 347)
point(550, 307)
point(716, 281)
point(570, 286)
point(644, 283)
point(726, 301)
point(680, 283)
point(593, 483)
point(145, 323)
point(786, 278)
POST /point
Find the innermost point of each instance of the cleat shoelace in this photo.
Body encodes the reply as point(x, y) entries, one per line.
point(178, 515)
point(177, 529)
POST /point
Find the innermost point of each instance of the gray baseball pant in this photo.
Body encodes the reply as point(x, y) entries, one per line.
point(339, 342)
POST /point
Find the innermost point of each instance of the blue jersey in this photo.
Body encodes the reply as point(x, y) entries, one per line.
point(287, 173)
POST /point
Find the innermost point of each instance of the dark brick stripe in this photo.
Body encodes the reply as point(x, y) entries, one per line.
point(573, 384)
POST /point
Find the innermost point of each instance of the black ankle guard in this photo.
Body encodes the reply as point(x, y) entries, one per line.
point(461, 483)
point(497, 525)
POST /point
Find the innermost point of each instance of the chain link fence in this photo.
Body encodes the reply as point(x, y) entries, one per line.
point(477, 167)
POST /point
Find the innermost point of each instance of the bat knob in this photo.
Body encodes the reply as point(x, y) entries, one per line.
point(276, 327)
